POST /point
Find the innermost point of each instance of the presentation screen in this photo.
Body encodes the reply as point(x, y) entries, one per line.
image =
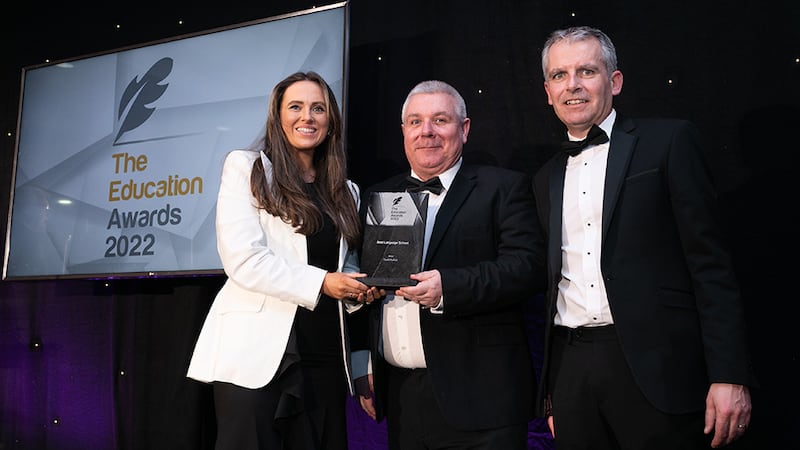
point(118, 154)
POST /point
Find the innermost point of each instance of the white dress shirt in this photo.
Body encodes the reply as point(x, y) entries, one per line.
point(402, 336)
point(582, 298)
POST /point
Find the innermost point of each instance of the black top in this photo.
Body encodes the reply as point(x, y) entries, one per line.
point(318, 331)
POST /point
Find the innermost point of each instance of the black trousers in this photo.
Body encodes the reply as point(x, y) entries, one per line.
point(415, 422)
point(263, 419)
point(598, 406)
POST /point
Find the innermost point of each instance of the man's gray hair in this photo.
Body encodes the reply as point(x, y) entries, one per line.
point(437, 87)
point(574, 34)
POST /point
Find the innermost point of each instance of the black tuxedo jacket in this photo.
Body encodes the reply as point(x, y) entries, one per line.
point(669, 278)
point(486, 244)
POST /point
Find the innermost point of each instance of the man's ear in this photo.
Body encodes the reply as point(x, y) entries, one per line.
point(616, 82)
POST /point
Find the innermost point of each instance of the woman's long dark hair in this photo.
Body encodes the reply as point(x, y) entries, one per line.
point(285, 196)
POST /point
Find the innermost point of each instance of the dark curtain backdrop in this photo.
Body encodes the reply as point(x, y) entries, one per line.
point(100, 364)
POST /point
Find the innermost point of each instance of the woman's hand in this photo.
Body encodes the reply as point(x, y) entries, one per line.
point(346, 286)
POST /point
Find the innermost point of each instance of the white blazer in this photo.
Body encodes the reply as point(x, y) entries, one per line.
point(245, 333)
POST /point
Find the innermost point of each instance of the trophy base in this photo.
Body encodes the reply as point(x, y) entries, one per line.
point(387, 283)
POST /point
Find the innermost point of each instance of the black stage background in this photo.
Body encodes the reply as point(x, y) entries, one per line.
point(100, 364)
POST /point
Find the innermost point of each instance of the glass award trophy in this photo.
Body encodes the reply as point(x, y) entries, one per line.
point(393, 238)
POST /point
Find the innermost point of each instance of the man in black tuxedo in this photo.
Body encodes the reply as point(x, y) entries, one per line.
point(645, 343)
point(451, 367)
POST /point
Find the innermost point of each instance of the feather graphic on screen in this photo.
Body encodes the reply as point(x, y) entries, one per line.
point(139, 94)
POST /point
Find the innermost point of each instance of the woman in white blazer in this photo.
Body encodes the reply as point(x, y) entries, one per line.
point(274, 343)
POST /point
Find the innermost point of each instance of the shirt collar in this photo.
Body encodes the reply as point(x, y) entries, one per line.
point(447, 176)
point(606, 125)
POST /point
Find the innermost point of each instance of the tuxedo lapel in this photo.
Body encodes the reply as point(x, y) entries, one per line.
point(619, 157)
point(398, 184)
point(462, 185)
point(556, 189)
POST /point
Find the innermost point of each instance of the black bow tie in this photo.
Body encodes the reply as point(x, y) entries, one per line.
point(414, 185)
point(596, 136)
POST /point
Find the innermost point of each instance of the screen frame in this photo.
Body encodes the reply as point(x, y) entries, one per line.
point(12, 247)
